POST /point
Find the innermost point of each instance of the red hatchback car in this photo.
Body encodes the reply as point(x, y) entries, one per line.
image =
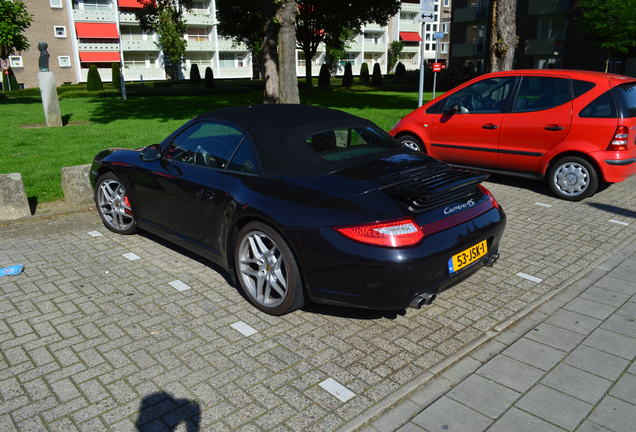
point(571, 128)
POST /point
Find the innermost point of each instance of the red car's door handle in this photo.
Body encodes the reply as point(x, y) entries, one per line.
point(553, 127)
point(489, 126)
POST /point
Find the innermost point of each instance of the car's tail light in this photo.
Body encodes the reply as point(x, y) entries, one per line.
point(490, 196)
point(400, 233)
point(619, 140)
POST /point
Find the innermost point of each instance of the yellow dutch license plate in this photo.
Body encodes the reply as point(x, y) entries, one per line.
point(468, 256)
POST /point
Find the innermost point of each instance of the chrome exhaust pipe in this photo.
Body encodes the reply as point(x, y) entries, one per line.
point(422, 299)
point(492, 260)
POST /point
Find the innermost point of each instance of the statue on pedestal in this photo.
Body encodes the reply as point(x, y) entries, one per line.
point(44, 56)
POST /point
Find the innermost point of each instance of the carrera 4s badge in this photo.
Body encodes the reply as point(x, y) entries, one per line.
point(467, 204)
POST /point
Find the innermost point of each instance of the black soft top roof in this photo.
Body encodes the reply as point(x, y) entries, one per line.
point(279, 133)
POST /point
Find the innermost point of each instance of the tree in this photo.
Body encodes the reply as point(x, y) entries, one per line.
point(347, 78)
point(329, 20)
point(195, 76)
point(285, 16)
point(116, 76)
point(324, 78)
point(93, 80)
point(15, 20)
point(208, 81)
point(395, 49)
point(376, 79)
point(611, 22)
point(502, 34)
point(364, 73)
point(400, 71)
point(165, 17)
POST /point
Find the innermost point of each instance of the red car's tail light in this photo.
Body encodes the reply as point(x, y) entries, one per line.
point(400, 233)
point(619, 140)
point(490, 196)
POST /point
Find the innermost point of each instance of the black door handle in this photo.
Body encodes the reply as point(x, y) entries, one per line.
point(205, 194)
point(553, 127)
point(489, 126)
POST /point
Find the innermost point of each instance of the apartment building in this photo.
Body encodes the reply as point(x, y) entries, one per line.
point(81, 33)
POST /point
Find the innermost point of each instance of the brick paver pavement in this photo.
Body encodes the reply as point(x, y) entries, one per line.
point(92, 340)
point(569, 366)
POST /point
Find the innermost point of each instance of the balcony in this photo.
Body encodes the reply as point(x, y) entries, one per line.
point(137, 73)
point(544, 7)
point(469, 14)
point(546, 47)
point(106, 74)
point(410, 26)
point(410, 7)
point(204, 45)
point(354, 46)
point(127, 17)
point(411, 49)
point(98, 46)
point(236, 72)
point(371, 47)
point(94, 16)
point(230, 45)
point(464, 50)
point(199, 19)
point(374, 27)
point(139, 45)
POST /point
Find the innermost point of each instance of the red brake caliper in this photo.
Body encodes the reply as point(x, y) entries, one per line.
point(127, 203)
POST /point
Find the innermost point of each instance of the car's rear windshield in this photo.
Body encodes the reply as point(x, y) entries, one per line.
point(351, 142)
point(626, 98)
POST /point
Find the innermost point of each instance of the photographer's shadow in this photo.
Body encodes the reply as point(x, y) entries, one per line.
point(161, 412)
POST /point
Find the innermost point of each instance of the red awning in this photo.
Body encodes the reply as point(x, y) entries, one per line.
point(99, 56)
point(410, 36)
point(96, 30)
point(134, 4)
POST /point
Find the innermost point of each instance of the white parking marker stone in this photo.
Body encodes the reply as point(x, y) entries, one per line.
point(243, 328)
point(618, 222)
point(336, 389)
point(131, 256)
point(178, 285)
point(94, 234)
point(540, 204)
point(529, 277)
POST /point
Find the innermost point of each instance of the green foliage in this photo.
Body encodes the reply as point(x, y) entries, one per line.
point(3, 97)
point(395, 49)
point(364, 73)
point(15, 19)
point(376, 79)
point(324, 79)
point(611, 22)
point(400, 71)
point(209, 77)
point(116, 76)
point(93, 80)
point(347, 78)
point(195, 76)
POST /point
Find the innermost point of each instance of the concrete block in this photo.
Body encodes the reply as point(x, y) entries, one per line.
point(612, 343)
point(575, 382)
point(535, 353)
point(13, 199)
point(510, 372)
point(446, 414)
point(519, 421)
point(597, 362)
point(484, 396)
point(76, 185)
point(615, 414)
point(555, 407)
point(50, 101)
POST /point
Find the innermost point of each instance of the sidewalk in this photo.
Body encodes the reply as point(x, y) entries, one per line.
point(568, 366)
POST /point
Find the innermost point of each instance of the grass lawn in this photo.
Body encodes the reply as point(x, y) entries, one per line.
point(101, 122)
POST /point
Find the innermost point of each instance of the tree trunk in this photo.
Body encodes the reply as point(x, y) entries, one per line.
point(308, 74)
point(607, 59)
point(502, 34)
point(287, 79)
point(270, 56)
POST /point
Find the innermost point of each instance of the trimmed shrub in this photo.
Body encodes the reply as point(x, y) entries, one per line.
point(364, 73)
point(93, 80)
point(347, 78)
point(400, 71)
point(324, 78)
point(376, 79)
point(209, 77)
point(116, 76)
point(3, 97)
point(195, 76)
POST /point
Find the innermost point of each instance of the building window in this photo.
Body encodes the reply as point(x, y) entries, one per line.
point(198, 34)
point(57, 4)
point(446, 3)
point(59, 31)
point(64, 61)
point(15, 61)
point(134, 60)
point(444, 48)
point(97, 5)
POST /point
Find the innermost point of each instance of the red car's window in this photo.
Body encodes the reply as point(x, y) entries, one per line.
point(486, 96)
point(601, 107)
point(538, 93)
point(626, 98)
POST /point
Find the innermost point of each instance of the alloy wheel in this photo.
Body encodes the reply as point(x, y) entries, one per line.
point(113, 205)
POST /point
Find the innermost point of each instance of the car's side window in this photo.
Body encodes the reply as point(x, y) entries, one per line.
point(244, 160)
point(540, 93)
point(601, 107)
point(485, 96)
point(206, 144)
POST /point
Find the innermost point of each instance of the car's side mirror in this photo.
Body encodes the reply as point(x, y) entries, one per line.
point(462, 109)
point(151, 153)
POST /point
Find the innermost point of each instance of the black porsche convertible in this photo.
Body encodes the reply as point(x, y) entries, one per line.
point(304, 203)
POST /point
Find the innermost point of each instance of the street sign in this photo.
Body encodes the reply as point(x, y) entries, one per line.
point(437, 67)
point(427, 11)
point(438, 35)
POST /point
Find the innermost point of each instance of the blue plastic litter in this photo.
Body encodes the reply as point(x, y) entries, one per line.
point(11, 270)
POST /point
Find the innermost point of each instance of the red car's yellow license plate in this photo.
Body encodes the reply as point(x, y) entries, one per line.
point(468, 256)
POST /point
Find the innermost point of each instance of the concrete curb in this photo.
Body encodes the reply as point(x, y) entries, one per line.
point(13, 200)
point(444, 375)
